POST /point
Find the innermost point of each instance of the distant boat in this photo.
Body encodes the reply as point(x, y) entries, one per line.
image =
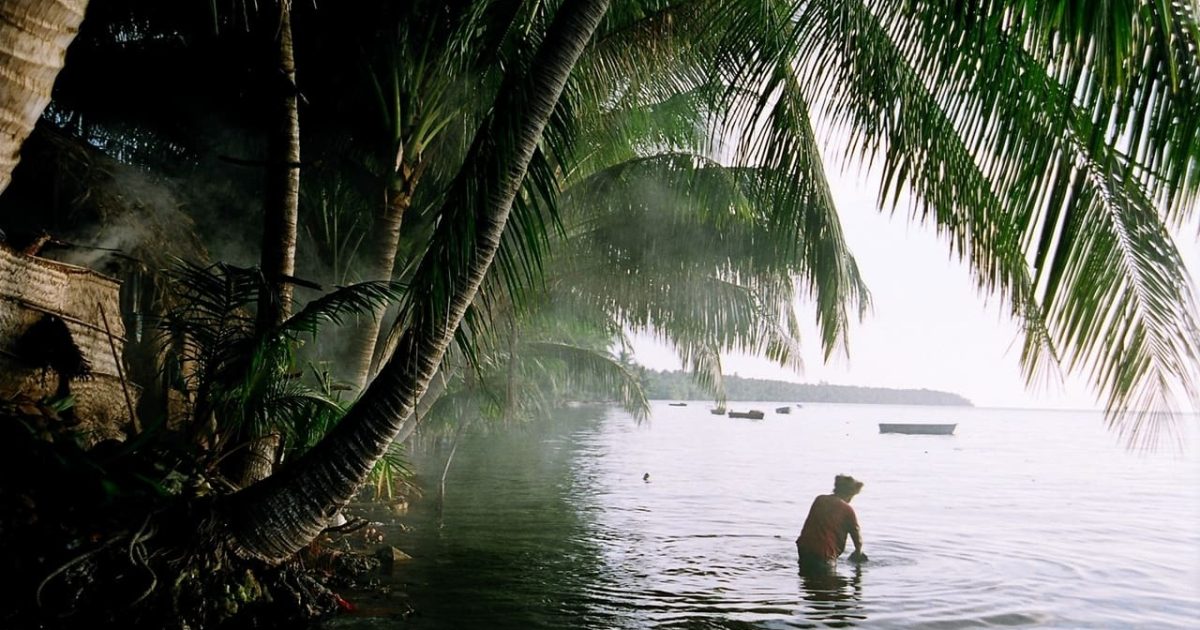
point(753, 414)
point(719, 411)
point(676, 404)
point(783, 410)
point(917, 429)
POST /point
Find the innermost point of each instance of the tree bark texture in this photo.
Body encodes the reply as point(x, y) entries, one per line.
point(433, 393)
point(274, 518)
point(34, 35)
point(281, 191)
point(281, 200)
point(385, 234)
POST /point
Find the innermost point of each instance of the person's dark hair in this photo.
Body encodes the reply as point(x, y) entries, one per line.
point(846, 485)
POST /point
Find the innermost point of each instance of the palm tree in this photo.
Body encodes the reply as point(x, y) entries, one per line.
point(416, 83)
point(665, 239)
point(34, 36)
point(659, 237)
point(1053, 144)
point(966, 110)
point(238, 381)
point(279, 515)
point(281, 202)
point(1053, 149)
point(528, 361)
point(281, 196)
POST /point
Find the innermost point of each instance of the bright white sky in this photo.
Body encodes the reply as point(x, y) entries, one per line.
point(929, 326)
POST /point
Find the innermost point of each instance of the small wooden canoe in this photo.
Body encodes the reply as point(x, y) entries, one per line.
point(917, 429)
point(753, 414)
point(676, 404)
point(783, 410)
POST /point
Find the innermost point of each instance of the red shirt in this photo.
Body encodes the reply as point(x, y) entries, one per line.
point(829, 520)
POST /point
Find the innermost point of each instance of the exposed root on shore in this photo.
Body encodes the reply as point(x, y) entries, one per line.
point(94, 540)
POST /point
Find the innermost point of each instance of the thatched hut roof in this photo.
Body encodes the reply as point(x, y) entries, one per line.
point(102, 213)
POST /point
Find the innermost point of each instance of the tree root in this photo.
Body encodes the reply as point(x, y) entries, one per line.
point(71, 563)
point(109, 551)
point(138, 556)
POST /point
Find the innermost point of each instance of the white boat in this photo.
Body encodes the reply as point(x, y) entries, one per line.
point(917, 429)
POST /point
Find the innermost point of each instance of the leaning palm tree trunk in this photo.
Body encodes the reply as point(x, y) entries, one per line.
point(281, 205)
point(273, 519)
point(34, 35)
point(433, 393)
point(386, 236)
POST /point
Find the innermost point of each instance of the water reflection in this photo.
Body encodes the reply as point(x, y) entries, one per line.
point(833, 600)
point(552, 525)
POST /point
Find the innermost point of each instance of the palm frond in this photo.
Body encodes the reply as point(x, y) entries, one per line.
point(691, 251)
point(242, 377)
point(334, 218)
point(208, 322)
point(584, 370)
point(703, 362)
point(1015, 156)
point(334, 307)
point(648, 52)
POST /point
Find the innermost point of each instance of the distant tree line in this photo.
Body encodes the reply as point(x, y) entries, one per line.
point(677, 385)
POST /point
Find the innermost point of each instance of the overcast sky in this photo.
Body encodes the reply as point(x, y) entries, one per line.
point(929, 327)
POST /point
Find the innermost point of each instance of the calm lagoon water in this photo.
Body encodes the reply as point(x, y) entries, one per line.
point(1023, 518)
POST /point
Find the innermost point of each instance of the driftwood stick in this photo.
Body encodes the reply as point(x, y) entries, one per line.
point(112, 345)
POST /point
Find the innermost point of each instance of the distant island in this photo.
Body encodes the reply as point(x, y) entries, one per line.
point(677, 385)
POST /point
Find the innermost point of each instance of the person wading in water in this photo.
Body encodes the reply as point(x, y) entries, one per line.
point(830, 520)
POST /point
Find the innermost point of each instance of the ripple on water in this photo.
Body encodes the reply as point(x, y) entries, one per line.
point(989, 528)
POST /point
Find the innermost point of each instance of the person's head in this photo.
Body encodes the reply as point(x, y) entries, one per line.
point(845, 487)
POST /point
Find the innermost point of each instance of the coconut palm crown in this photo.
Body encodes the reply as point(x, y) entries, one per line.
point(1054, 144)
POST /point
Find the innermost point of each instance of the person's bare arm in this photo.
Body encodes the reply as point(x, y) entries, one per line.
point(856, 536)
